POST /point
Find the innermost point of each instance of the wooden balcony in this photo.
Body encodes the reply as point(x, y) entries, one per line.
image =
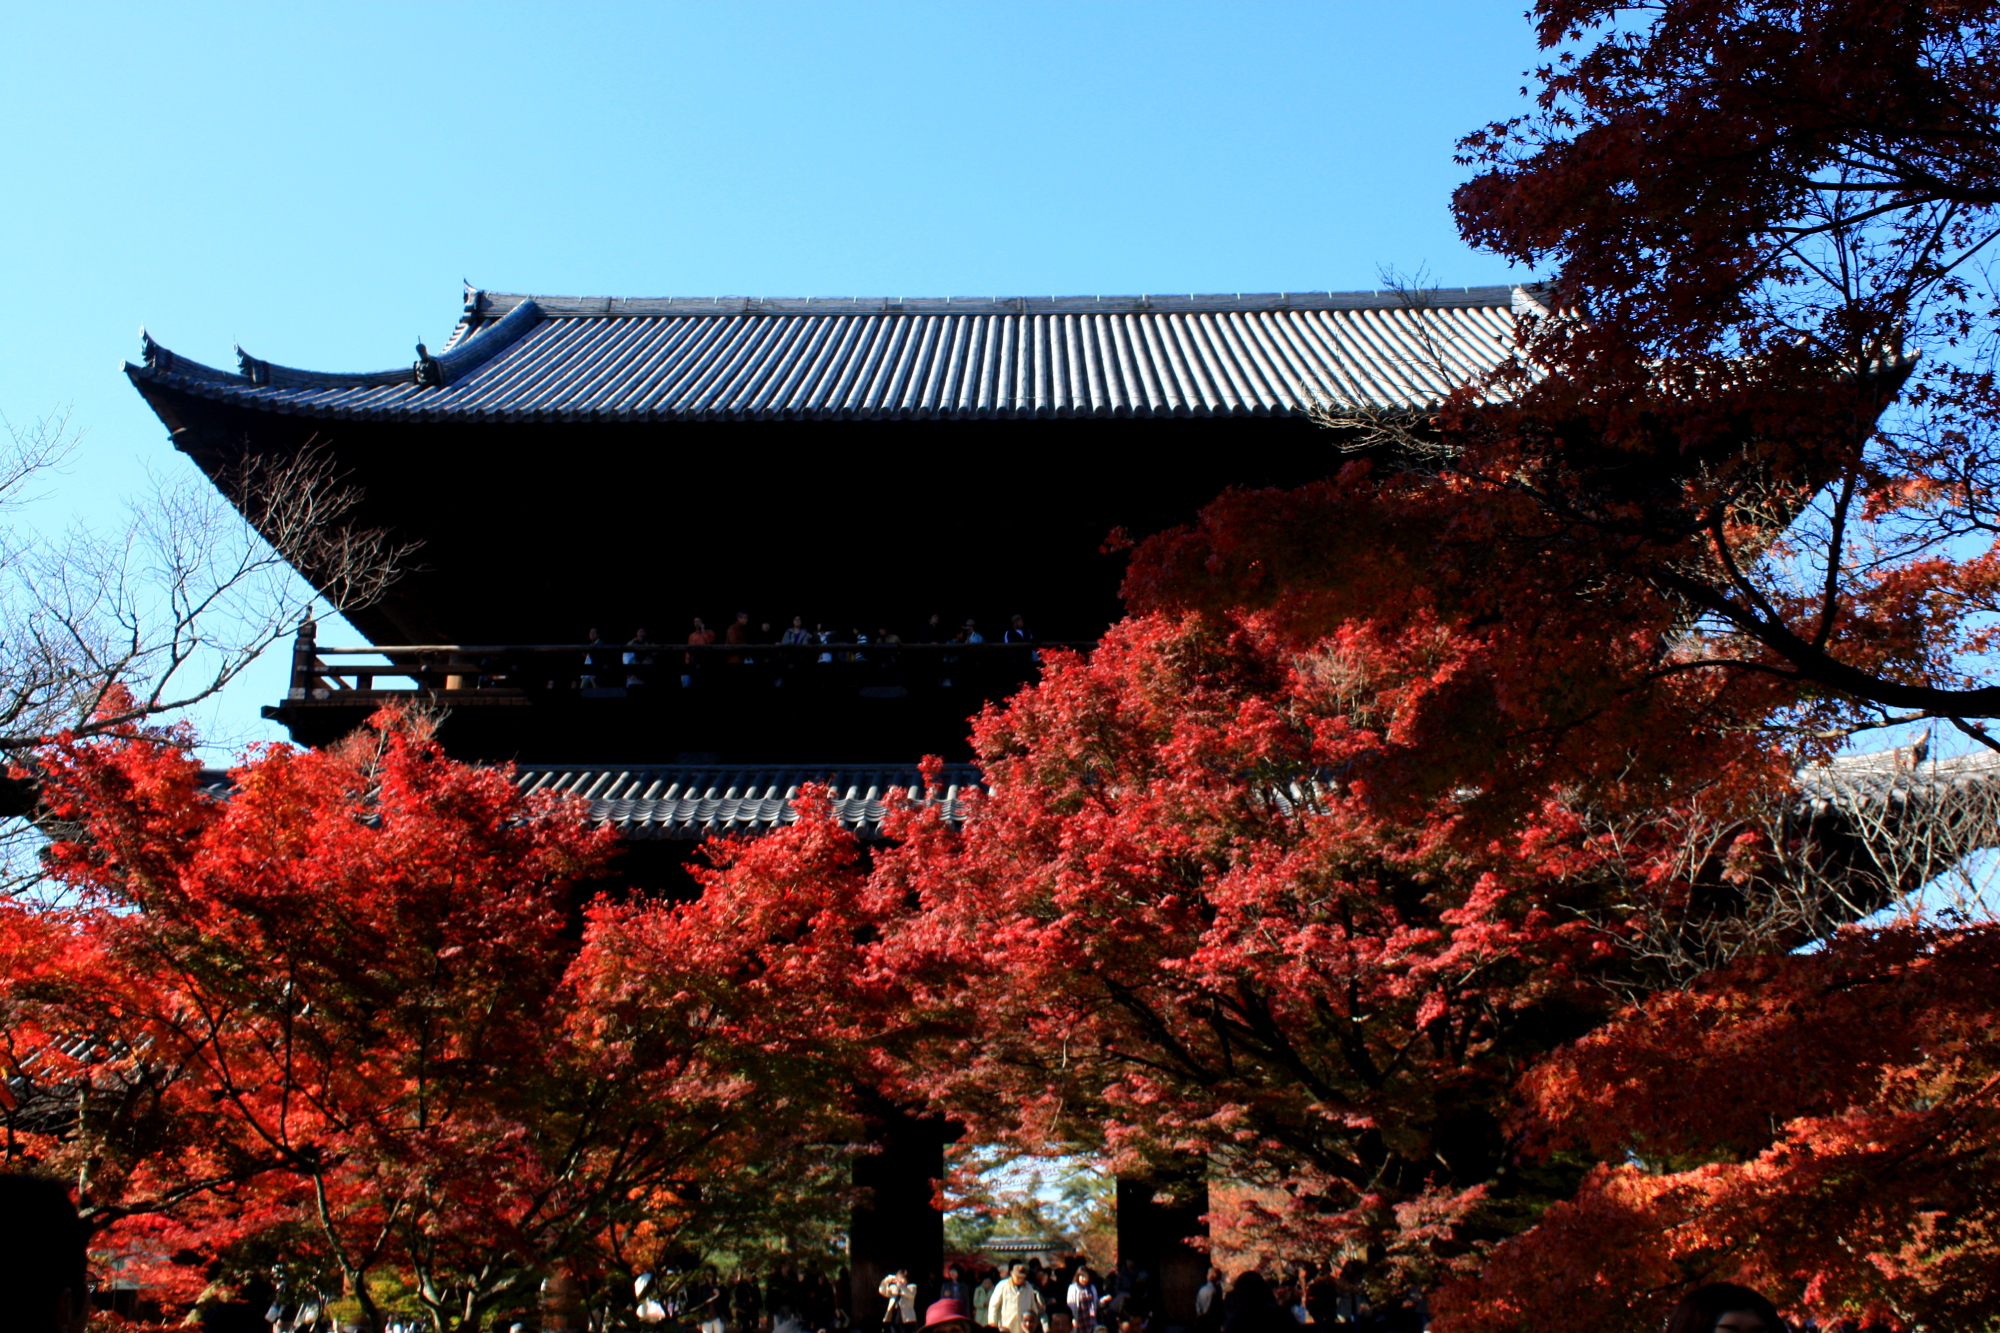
point(468, 672)
point(841, 702)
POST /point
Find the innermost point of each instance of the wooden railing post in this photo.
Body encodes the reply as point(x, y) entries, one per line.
point(305, 659)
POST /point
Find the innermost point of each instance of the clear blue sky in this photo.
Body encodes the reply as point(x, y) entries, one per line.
point(314, 181)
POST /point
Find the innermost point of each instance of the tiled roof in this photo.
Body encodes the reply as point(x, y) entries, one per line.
point(543, 358)
point(696, 801)
point(1889, 778)
point(699, 800)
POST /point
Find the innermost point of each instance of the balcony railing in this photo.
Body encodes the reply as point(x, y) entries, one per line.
point(501, 669)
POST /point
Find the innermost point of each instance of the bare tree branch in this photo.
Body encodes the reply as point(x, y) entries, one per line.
point(98, 631)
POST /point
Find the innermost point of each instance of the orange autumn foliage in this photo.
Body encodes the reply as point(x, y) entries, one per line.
point(1823, 1127)
point(343, 1015)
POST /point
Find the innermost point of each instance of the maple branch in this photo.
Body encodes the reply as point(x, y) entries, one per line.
point(1817, 665)
point(1977, 733)
point(1848, 220)
point(1836, 543)
point(1710, 663)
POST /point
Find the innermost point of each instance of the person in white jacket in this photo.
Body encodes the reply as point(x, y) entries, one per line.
point(1014, 1302)
point(902, 1298)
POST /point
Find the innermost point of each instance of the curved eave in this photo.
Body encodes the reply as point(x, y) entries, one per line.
point(288, 404)
point(649, 365)
point(258, 378)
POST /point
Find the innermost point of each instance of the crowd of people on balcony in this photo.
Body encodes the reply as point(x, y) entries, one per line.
point(638, 662)
point(644, 662)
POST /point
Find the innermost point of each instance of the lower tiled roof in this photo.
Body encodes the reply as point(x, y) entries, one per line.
point(695, 801)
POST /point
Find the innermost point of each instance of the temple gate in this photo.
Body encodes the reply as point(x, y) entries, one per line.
point(571, 464)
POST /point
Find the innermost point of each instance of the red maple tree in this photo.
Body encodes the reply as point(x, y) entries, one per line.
point(1218, 905)
point(1823, 1127)
point(1343, 834)
point(1354, 823)
point(338, 1012)
point(1761, 218)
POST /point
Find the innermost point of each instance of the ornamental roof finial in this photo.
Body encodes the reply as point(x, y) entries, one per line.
point(157, 357)
point(429, 374)
point(257, 372)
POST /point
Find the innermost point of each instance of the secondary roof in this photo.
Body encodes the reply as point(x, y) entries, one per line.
point(543, 358)
point(694, 801)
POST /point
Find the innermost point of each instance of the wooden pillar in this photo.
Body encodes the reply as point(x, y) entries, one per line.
point(1157, 1218)
point(894, 1225)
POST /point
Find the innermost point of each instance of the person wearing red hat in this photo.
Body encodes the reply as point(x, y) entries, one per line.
point(948, 1316)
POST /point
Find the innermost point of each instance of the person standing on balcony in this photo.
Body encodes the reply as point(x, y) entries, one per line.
point(796, 636)
point(700, 636)
point(1018, 632)
point(736, 632)
point(890, 641)
point(593, 658)
point(637, 654)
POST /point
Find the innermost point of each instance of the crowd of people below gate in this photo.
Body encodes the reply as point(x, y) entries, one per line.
point(631, 665)
point(45, 1283)
point(1032, 1298)
point(1074, 1298)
